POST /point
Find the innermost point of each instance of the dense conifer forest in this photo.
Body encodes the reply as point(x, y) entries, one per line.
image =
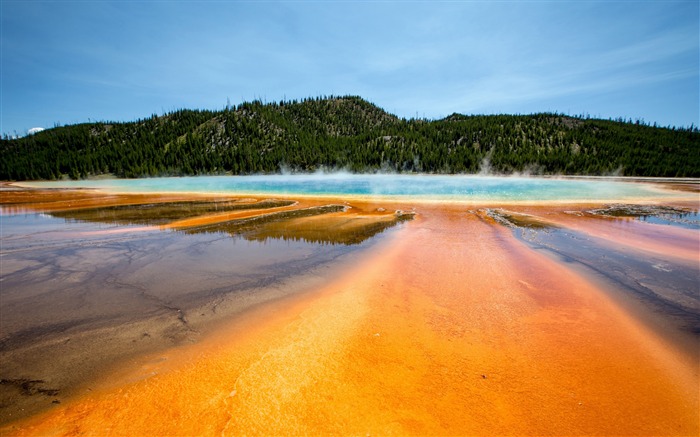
point(352, 134)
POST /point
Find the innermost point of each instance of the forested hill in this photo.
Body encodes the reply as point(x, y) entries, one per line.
point(352, 134)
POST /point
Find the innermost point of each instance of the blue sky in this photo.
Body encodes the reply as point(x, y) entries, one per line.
point(67, 62)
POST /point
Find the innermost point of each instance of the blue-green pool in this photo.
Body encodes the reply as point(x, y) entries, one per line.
point(437, 187)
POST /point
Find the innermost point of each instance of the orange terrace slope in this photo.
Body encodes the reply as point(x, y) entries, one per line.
point(452, 326)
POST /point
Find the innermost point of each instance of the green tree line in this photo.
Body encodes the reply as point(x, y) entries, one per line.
point(349, 133)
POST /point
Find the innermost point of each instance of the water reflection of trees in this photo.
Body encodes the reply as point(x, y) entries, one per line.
point(292, 226)
point(655, 214)
point(328, 225)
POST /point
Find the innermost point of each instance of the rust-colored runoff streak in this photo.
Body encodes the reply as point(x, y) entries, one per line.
point(451, 327)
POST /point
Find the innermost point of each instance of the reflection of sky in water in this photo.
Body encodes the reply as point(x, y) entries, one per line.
point(44, 238)
point(688, 221)
point(427, 186)
point(18, 225)
point(35, 230)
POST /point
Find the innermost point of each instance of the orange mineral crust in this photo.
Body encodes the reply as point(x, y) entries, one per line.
point(450, 326)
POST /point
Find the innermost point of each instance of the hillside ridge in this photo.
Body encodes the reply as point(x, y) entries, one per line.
point(353, 134)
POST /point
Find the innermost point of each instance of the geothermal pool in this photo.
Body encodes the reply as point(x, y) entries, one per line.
point(432, 187)
point(384, 304)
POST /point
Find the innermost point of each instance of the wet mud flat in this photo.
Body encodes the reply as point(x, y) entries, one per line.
point(454, 324)
point(89, 280)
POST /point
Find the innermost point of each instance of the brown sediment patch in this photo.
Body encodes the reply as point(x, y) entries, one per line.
point(453, 328)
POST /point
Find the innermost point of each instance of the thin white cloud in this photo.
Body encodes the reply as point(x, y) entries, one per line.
point(519, 82)
point(34, 130)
